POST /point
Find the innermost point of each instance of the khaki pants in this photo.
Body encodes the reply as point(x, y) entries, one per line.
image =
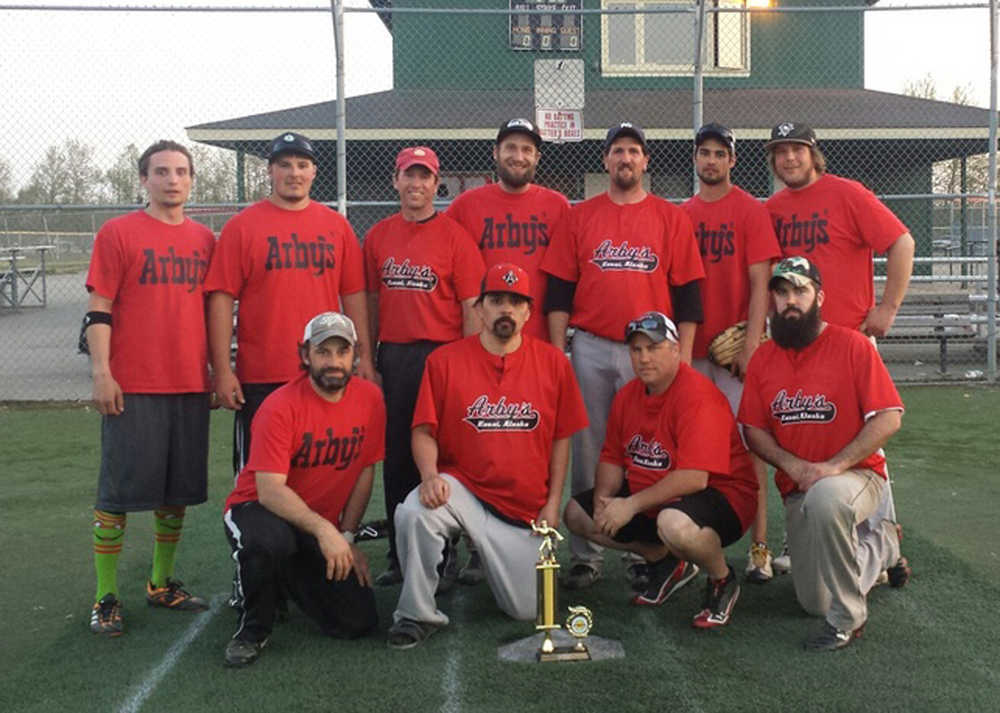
point(837, 554)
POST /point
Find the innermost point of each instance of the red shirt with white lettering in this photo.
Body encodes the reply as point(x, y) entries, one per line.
point(838, 224)
point(623, 259)
point(421, 271)
point(733, 233)
point(285, 267)
point(495, 418)
point(153, 273)
point(321, 446)
point(514, 228)
point(815, 401)
point(689, 426)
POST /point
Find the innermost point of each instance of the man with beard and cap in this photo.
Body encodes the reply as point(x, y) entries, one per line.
point(737, 246)
point(621, 253)
point(818, 405)
point(839, 225)
point(491, 437)
point(513, 221)
point(290, 520)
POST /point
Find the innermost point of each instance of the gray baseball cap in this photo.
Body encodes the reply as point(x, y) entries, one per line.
point(330, 324)
point(655, 325)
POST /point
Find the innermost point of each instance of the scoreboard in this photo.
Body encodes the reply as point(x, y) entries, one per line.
point(540, 31)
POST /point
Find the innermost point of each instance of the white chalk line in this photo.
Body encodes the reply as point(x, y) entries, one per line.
point(450, 682)
point(145, 689)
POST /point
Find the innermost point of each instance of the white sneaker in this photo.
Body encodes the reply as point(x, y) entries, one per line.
point(759, 563)
point(783, 562)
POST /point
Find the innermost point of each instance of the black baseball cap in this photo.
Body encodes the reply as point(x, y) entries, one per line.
point(290, 142)
point(520, 125)
point(624, 128)
point(655, 325)
point(797, 270)
point(720, 133)
point(790, 132)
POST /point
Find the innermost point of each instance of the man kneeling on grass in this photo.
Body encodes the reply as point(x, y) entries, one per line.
point(674, 483)
point(491, 441)
point(291, 518)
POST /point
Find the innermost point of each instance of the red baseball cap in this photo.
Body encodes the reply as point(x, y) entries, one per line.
point(506, 277)
point(418, 156)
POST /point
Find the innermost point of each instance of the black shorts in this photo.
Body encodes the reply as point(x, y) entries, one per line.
point(155, 453)
point(706, 508)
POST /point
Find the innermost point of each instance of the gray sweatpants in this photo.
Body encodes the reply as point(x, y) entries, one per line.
point(602, 368)
point(836, 553)
point(508, 554)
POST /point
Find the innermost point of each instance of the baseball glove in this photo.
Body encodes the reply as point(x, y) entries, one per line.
point(728, 344)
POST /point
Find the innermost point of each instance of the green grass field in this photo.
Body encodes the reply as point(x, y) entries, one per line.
point(932, 646)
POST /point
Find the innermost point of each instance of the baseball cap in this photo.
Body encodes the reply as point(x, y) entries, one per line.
point(624, 128)
point(506, 277)
point(290, 142)
point(788, 132)
point(524, 126)
point(418, 156)
point(721, 133)
point(330, 324)
point(655, 325)
point(796, 270)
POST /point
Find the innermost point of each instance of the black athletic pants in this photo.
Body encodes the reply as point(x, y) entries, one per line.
point(271, 553)
point(254, 395)
point(402, 368)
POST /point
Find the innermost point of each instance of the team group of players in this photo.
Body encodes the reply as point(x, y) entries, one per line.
point(439, 347)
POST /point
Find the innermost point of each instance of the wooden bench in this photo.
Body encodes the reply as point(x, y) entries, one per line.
point(939, 317)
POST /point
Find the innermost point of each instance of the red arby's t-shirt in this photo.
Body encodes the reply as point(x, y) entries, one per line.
point(689, 426)
point(321, 446)
point(623, 259)
point(495, 418)
point(815, 401)
point(421, 272)
point(838, 224)
point(285, 267)
point(733, 233)
point(153, 273)
point(515, 228)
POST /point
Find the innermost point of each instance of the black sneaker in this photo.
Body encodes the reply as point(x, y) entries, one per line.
point(106, 616)
point(899, 574)
point(720, 598)
point(407, 633)
point(665, 577)
point(241, 653)
point(830, 638)
point(580, 576)
point(638, 576)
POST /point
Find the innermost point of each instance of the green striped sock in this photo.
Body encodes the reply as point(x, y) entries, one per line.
point(167, 524)
point(109, 533)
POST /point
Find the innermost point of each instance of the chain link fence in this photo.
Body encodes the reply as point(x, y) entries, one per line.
point(91, 87)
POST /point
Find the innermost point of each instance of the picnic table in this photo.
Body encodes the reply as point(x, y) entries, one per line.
point(19, 286)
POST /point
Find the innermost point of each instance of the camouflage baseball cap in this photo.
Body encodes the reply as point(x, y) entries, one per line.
point(797, 270)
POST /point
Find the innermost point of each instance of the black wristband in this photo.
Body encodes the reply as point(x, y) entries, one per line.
point(96, 318)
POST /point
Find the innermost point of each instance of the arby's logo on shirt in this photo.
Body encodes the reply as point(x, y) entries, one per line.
point(650, 454)
point(501, 415)
point(636, 258)
point(406, 276)
point(802, 408)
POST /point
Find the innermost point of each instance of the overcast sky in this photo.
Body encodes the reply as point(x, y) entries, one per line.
point(112, 78)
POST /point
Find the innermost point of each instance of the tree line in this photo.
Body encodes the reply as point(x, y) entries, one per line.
point(68, 173)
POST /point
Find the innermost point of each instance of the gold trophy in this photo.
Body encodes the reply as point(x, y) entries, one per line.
point(580, 619)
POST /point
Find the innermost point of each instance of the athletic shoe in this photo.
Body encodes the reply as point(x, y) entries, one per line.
point(448, 569)
point(173, 596)
point(830, 638)
point(665, 577)
point(580, 576)
point(899, 574)
point(472, 572)
point(638, 576)
point(720, 598)
point(241, 653)
point(390, 577)
point(759, 563)
point(407, 633)
point(106, 616)
point(783, 563)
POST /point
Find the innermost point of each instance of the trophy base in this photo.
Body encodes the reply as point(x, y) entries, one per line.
point(528, 649)
point(571, 654)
